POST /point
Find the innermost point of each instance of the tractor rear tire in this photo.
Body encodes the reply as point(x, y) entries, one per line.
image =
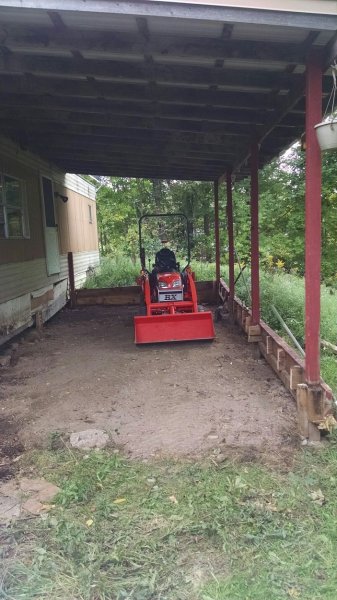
point(142, 307)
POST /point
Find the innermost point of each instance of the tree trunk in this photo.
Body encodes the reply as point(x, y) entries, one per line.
point(206, 225)
point(157, 197)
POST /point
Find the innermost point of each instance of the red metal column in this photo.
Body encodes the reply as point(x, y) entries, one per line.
point(254, 216)
point(230, 232)
point(217, 232)
point(313, 183)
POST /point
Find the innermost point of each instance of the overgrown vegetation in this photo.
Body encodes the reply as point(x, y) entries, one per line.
point(122, 270)
point(286, 293)
point(121, 202)
point(174, 530)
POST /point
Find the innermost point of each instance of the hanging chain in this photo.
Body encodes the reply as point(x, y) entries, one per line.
point(332, 98)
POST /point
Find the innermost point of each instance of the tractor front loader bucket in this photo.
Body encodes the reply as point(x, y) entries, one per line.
point(179, 327)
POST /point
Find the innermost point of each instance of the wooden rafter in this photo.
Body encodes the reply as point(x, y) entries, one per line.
point(133, 98)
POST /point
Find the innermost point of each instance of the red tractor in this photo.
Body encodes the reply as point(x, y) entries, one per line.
point(169, 310)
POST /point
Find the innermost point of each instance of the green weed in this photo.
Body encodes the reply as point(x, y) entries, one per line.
point(114, 272)
point(174, 530)
point(122, 270)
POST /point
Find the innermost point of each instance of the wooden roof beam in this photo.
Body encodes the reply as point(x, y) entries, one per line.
point(110, 110)
point(106, 121)
point(331, 52)
point(119, 43)
point(118, 70)
point(140, 165)
point(119, 146)
point(145, 158)
point(101, 91)
point(56, 20)
point(27, 131)
point(129, 172)
point(182, 10)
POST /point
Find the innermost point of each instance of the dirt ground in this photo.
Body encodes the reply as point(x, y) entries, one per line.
point(85, 372)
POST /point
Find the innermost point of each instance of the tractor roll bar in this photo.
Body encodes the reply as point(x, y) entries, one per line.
point(165, 215)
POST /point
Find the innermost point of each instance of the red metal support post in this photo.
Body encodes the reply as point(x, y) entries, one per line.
point(217, 232)
point(230, 233)
point(254, 215)
point(313, 187)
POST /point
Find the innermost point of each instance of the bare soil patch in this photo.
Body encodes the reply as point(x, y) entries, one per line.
point(183, 399)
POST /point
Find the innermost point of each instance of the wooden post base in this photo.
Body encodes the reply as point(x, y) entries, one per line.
point(310, 410)
point(254, 332)
point(39, 321)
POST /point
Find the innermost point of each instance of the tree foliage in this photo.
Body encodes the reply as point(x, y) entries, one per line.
point(282, 215)
point(121, 202)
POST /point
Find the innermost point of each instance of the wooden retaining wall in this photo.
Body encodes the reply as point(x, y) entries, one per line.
point(313, 404)
point(129, 295)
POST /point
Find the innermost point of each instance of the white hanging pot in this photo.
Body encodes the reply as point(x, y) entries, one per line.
point(327, 135)
point(327, 130)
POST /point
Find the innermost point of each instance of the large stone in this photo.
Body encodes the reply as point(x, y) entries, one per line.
point(40, 489)
point(33, 506)
point(90, 438)
point(9, 508)
point(10, 488)
point(34, 493)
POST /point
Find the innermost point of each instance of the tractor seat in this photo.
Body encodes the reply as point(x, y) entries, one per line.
point(166, 261)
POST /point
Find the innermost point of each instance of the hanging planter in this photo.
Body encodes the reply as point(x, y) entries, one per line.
point(327, 135)
point(326, 131)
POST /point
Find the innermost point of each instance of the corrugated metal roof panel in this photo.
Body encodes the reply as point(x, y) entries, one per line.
point(100, 21)
point(233, 63)
point(30, 51)
point(243, 31)
point(186, 60)
point(190, 27)
point(25, 16)
point(323, 38)
point(328, 7)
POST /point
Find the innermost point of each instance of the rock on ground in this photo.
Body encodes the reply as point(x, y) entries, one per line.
point(25, 495)
point(9, 508)
point(91, 438)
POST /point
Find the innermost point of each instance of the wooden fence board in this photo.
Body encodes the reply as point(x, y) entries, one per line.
point(129, 295)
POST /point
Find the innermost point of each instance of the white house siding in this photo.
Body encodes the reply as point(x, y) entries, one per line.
point(26, 289)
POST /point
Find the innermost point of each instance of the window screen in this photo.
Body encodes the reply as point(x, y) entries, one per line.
point(13, 217)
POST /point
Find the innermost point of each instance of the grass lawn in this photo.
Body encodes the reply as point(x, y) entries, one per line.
point(175, 530)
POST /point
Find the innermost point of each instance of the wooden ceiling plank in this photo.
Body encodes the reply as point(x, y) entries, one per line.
point(101, 91)
point(126, 44)
point(174, 74)
point(171, 10)
point(10, 102)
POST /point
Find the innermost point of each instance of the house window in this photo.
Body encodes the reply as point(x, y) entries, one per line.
point(13, 215)
point(90, 213)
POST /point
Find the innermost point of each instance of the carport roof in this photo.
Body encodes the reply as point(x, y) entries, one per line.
point(158, 89)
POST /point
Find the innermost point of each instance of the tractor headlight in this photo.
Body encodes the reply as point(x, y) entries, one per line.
point(162, 284)
point(176, 283)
